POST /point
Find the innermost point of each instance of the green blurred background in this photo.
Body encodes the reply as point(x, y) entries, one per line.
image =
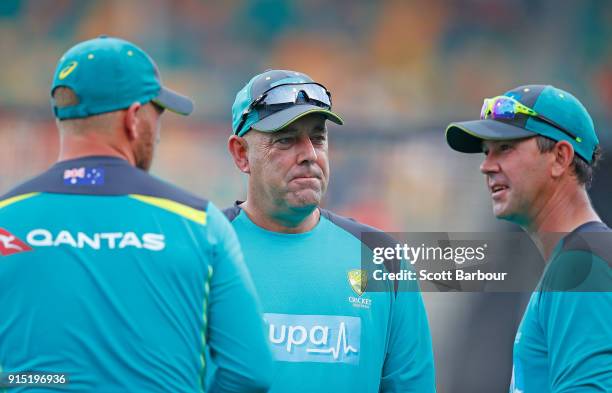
point(399, 71)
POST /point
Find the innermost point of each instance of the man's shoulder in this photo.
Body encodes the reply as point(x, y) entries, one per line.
point(33, 185)
point(593, 238)
point(105, 177)
point(347, 223)
point(151, 186)
point(583, 262)
point(233, 211)
point(370, 236)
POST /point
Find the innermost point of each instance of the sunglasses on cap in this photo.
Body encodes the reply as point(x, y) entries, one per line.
point(284, 96)
point(507, 108)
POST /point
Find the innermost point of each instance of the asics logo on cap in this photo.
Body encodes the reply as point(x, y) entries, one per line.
point(68, 70)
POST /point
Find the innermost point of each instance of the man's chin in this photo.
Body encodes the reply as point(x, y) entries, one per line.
point(305, 199)
point(499, 211)
point(503, 213)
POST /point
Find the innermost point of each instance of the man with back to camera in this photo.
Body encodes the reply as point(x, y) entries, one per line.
point(540, 149)
point(327, 333)
point(110, 277)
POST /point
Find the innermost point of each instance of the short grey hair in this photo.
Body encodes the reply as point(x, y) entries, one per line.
point(582, 169)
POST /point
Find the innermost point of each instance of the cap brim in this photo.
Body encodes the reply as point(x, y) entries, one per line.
point(282, 119)
point(173, 101)
point(467, 136)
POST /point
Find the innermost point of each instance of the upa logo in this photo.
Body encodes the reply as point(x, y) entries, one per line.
point(314, 338)
point(10, 244)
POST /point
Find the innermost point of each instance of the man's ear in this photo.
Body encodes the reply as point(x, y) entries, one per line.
point(563, 157)
point(131, 121)
point(239, 149)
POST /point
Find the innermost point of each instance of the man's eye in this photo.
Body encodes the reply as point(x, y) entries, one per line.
point(318, 138)
point(505, 147)
point(284, 141)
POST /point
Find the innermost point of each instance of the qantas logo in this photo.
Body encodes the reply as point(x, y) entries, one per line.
point(96, 241)
point(10, 244)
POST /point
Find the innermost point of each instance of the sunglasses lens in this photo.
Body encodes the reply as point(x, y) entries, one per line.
point(503, 108)
point(484, 111)
point(317, 93)
point(284, 96)
point(289, 94)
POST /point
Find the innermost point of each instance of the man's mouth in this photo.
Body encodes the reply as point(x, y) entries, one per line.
point(497, 189)
point(305, 176)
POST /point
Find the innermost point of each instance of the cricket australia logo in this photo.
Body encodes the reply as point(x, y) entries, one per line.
point(10, 244)
point(358, 279)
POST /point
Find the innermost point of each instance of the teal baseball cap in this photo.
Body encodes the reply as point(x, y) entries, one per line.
point(274, 99)
point(554, 114)
point(109, 74)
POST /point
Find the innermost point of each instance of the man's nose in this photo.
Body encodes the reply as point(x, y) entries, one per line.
point(306, 150)
point(489, 165)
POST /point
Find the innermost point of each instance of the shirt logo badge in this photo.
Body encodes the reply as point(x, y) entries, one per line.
point(314, 338)
point(10, 244)
point(358, 279)
point(84, 176)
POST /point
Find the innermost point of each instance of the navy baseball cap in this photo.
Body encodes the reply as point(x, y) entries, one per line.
point(109, 74)
point(555, 104)
point(243, 118)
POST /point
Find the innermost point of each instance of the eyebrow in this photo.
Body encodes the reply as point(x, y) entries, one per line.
point(491, 144)
point(281, 134)
point(292, 130)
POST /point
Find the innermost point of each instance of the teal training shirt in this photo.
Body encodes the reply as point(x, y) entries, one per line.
point(121, 281)
point(325, 335)
point(564, 342)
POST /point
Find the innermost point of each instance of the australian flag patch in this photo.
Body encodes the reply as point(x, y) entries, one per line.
point(84, 176)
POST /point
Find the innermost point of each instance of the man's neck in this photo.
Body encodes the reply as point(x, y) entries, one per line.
point(565, 211)
point(76, 146)
point(289, 222)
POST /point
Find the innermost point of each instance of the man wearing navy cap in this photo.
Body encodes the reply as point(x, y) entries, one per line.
point(540, 149)
point(113, 280)
point(327, 331)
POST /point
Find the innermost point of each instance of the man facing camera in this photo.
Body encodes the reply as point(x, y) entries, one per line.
point(327, 333)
